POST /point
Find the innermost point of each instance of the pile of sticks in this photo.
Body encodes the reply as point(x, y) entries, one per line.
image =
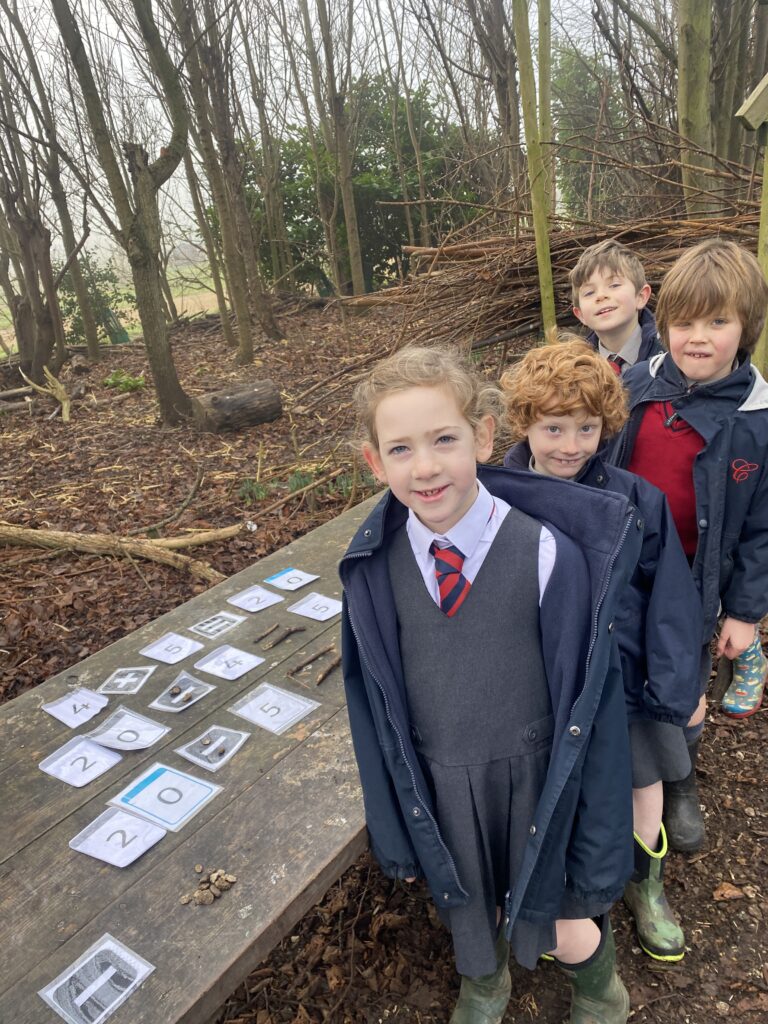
point(485, 291)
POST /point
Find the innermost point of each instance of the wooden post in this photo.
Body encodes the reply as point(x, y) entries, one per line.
point(753, 114)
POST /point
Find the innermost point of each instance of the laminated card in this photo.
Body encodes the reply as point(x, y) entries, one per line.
point(97, 983)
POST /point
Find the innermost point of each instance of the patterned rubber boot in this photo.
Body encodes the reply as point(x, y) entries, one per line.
point(484, 1000)
point(658, 930)
point(745, 694)
point(682, 813)
point(597, 993)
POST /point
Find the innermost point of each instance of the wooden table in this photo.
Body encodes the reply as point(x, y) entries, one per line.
point(287, 823)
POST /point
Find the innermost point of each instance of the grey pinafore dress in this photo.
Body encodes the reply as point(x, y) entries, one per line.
point(482, 723)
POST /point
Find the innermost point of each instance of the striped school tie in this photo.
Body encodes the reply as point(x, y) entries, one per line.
point(616, 363)
point(451, 582)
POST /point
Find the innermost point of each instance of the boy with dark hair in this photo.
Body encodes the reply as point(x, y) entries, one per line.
point(698, 429)
point(610, 295)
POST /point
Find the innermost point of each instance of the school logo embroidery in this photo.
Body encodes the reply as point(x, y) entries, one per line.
point(741, 469)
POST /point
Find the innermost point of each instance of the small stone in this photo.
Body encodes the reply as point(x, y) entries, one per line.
point(221, 752)
point(186, 698)
point(175, 691)
point(231, 879)
point(186, 898)
point(203, 897)
point(204, 884)
point(206, 742)
point(216, 891)
point(198, 869)
point(216, 875)
point(223, 885)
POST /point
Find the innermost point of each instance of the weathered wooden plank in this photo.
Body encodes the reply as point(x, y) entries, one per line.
point(37, 802)
point(54, 902)
point(286, 838)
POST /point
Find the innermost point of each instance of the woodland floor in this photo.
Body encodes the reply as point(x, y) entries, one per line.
point(373, 950)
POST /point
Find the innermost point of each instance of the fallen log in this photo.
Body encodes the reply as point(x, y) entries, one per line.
point(233, 410)
point(103, 544)
point(197, 538)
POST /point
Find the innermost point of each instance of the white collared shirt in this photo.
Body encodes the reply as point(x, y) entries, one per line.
point(629, 351)
point(473, 535)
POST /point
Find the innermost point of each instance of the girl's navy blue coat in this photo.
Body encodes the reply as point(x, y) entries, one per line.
point(659, 619)
point(579, 852)
point(730, 479)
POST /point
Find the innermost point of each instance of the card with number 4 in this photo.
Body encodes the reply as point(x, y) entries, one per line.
point(76, 707)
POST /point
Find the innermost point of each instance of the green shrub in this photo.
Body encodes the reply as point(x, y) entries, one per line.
point(124, 381)
point(251, 490)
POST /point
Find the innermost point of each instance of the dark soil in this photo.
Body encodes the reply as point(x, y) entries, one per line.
point(373, 950)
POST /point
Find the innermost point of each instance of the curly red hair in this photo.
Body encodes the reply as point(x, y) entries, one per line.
point(560, 379)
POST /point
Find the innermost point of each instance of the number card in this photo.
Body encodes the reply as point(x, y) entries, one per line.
point(166, 797)
point(214, 747)
point(76, 707)
point(128, 730)
point(272, 708)
point(315, 606)
point(97, 983)
point(79, 762)
point(127, 680)
point(117, 837)
point(216, 625)
point(184, 691)
point(171, 648)
point(228, 662)
point(290, 579)
point(254, 599)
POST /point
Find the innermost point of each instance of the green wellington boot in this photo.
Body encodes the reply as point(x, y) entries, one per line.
point(598, 995)
point(484, 1000)
point(682, 813)
point(658, 931)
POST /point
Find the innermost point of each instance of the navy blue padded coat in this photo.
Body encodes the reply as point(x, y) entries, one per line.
point(659, 620)
point(730, 479)
point(579, 851)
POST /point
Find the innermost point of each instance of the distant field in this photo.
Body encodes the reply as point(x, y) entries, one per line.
point(188, 302)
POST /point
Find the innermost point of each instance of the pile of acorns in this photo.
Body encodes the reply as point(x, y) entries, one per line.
point(209, 887)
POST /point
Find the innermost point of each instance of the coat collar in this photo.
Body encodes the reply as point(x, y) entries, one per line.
point(594, 519)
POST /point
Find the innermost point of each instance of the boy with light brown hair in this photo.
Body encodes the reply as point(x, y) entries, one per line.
point(698, 430)
point(610, 295)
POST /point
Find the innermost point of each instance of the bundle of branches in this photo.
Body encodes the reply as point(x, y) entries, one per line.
point(483, 291)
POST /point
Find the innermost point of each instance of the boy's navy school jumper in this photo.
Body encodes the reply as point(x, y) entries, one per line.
point(730, 479)
point(530, 784)
point(650, 343)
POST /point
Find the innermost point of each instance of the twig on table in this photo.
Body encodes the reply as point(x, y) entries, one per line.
point(323, 675)
point(311, 658)
point(288, 631)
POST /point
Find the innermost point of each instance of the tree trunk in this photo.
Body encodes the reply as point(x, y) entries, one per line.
point(536, 166)
point(331, 108)
point(693, 101)
point(144, 259)
point(210, 249)
point(233, 258)
point(139, 230)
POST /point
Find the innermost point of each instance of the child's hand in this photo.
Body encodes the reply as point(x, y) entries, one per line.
point(735, 637)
